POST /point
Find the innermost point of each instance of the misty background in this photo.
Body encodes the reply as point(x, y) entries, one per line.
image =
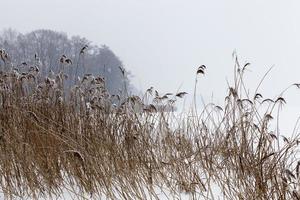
point(163, 42)
point(53, 52)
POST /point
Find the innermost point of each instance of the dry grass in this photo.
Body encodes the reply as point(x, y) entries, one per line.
point(87, 141)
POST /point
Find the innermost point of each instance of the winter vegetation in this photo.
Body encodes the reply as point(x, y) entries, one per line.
point(68, 124)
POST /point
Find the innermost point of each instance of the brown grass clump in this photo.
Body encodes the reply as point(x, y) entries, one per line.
point(86, 141)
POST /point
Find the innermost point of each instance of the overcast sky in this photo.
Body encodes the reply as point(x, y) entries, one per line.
point(162, 42)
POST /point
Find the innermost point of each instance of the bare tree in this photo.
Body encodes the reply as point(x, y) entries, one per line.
point(46, 47)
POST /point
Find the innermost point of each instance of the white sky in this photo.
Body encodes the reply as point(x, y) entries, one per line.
point(162, 42)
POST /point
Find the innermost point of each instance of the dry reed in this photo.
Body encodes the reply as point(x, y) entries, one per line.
point(91, 142)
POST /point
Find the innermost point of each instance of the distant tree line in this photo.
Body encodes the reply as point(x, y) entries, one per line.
point(47, 48)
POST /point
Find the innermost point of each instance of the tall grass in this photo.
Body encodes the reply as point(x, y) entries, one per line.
point(87, 141)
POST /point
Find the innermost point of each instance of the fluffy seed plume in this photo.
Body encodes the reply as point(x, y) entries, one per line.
point(297, 85)
point(181, 94)
point(268, 100)
point(246, 65)
point(268, 116)
point(258, 96)
point(201, 69)
point(280, 100)
point(82, 50)
point(68, 61)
